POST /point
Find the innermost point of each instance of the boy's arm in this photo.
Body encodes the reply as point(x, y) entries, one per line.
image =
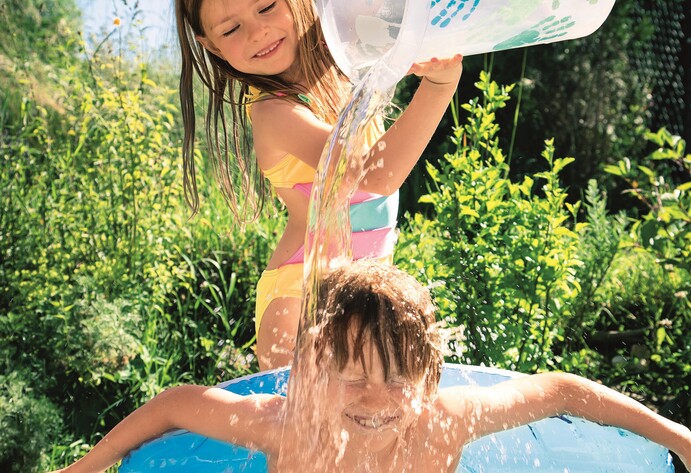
point(529, 398)
point(251, 421)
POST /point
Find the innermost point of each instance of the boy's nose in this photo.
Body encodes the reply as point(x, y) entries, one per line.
point(375, 395)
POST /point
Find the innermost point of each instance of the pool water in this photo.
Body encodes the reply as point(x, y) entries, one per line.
point(558, 445)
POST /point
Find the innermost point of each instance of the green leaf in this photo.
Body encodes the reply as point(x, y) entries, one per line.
point(468, 211)
point(561, 163)
point(611, 169)
point(648, 232)
point(647, 171)
point(660, 336)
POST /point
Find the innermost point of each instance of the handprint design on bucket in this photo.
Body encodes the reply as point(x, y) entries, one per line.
point(544, 31)
point(446, 13)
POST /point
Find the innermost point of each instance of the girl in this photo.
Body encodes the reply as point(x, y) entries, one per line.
point(266, 60)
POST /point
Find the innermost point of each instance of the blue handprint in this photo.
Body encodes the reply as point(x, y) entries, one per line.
point(543, 31)
point(452, 8)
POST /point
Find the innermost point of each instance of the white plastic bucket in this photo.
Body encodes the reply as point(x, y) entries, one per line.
point(360, 32)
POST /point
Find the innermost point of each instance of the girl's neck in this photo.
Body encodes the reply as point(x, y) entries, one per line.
point(292, 75)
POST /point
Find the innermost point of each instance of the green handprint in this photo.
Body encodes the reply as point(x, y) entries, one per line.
point(541, 32)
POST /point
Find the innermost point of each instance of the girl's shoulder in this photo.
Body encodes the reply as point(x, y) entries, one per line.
point(266, 109)
point(281, 126)
point(270, 105)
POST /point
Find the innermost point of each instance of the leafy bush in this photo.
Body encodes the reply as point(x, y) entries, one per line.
point(666, 228)
point(28, 422)
point(658, 254)
point(600, 237)
point(535, 282)
point(503, 249)
point(108, 292)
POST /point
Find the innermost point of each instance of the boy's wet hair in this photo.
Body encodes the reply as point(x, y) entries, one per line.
point(389, 308)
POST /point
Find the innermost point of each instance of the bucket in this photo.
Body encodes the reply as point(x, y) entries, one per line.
point(361, 32)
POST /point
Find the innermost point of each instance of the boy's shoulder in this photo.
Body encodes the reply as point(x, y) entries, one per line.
point(441, 425)
point(263, 421)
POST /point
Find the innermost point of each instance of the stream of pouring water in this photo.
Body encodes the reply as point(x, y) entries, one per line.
point(310, 443)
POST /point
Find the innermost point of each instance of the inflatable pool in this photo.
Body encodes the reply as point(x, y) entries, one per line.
point(559, 445)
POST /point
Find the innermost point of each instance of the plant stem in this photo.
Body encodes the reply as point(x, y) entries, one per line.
point(518, 108)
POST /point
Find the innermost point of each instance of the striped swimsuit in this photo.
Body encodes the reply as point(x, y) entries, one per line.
point(372, 218)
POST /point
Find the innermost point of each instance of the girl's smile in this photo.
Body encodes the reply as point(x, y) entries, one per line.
point(269, 50)
point(253, 36)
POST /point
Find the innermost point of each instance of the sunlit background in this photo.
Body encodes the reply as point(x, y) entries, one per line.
point(154, 21)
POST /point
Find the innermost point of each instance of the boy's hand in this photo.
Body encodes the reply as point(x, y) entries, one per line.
point(439, 71)
point(685, 454)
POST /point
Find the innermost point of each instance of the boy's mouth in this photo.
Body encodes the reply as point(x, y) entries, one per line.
point(372, 422)
point(266, 52)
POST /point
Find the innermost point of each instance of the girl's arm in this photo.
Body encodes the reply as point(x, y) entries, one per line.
point(526, 399)
point(409, 135)
point(281, 127)
point(251, 421)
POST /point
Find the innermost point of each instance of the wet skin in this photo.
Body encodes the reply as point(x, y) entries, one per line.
point(372, 410)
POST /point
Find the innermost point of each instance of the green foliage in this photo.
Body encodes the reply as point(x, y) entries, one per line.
point(89, 208)
point(600, 238)
point(108, 293)
point(666, 228)
point(660, 244)
point(504, 249)
point(35, 34)
point(644, 332)
point(34, 28)
point(28, 422)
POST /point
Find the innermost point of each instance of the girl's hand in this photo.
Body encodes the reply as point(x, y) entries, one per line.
point(440, 71)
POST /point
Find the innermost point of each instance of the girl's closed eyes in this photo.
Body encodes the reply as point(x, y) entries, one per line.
point(268, 9)
point(263, 11)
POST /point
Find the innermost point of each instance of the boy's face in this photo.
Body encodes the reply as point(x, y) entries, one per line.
point(372, 410)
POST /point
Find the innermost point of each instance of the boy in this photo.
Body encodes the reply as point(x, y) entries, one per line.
point(379, 407)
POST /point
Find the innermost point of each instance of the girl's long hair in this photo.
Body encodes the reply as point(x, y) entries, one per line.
point(229, 138)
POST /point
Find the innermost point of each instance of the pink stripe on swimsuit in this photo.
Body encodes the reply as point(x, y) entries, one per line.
point(373, 219)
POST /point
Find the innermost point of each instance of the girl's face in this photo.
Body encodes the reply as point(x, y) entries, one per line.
point(254, 36)
point(372, 410)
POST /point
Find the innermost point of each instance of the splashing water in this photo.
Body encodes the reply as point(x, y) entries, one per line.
point(328, 245)
point(310, 441)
